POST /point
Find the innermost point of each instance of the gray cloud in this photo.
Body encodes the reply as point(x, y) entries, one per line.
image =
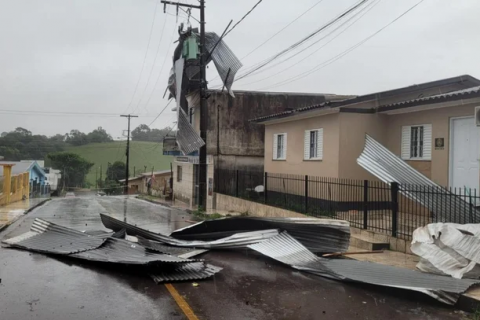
point(86, 55)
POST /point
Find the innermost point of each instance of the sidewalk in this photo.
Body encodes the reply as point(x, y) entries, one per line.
point(11, 212)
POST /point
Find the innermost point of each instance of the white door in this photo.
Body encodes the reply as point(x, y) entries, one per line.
point(464, 154)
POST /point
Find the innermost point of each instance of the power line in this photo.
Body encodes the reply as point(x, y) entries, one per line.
point(239, 21)
point(160, 112)
point(161, 69)
point(340, 55)
point(66, 113)
point(365, 10)
point(151, 69)
point(288, 25)
point(278, 32)
point(301, 41)
point(145, 56)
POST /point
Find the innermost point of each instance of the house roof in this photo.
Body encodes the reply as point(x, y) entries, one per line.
point(468, 93)
point(21, 166)
point(467, 80)
point(156, 173)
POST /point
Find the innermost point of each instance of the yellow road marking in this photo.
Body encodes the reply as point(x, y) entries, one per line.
point(181, 302)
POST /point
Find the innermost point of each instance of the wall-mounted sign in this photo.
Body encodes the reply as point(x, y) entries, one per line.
point(439, 143)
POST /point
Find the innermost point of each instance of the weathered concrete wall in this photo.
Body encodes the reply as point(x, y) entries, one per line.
point(184, 190)
point(237, 143)
point(255, 209)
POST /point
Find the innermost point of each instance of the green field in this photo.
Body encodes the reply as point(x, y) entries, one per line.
point(142, 154)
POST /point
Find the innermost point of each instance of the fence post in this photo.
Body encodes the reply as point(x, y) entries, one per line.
point(306, 193)
point(470, 206)
point(236, 184)
point(365, 204)
point(265, 183)
point(394, 199)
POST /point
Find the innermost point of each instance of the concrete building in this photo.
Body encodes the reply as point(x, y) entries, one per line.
point(233, 142)
point(156, 184)
point(432, 126)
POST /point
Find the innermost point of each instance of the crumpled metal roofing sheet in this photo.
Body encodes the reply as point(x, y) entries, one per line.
point(164, 248)
point(48, 237)
point(187, 138)
point(223, 58)
point(191, 271)
point(123, 251)
point(389, 168)
point(286, 249)
point(236, 240)
point(318, 235)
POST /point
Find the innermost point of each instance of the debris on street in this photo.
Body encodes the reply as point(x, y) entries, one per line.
point(448, 249)
point(318, 235)
point(288, 250)
point(49, 238)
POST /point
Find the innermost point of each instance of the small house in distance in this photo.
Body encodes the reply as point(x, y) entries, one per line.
point(155, 184)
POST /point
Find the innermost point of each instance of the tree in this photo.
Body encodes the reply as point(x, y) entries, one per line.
point(99, 135)
point(74, 168)
point(77, 138)
point(116, 171)
point(144, 133)
point(141, 133)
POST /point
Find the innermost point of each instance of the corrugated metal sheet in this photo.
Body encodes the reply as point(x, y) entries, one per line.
point(164, 248)
point(187, 138)
point(237, 240)
point(125, 252)
point(191, 271)
point(318, 235)
point(223, 58)
point(286, 249)
point(48, 237)
point(389, 168)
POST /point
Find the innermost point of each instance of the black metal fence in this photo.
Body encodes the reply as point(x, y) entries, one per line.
point(371, 205)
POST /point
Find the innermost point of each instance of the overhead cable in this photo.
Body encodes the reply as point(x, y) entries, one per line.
point(340, 55)
point(145, 56)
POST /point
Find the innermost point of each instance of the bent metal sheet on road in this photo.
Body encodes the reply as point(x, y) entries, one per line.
point(237, 240)
point(49, 237)
point(318, 235)
point(287, 250)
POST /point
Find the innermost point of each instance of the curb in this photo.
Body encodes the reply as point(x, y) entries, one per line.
point(5, 226)
point(153, 201)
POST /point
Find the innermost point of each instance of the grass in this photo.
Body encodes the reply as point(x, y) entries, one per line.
point(199, 215)
point(142, 154)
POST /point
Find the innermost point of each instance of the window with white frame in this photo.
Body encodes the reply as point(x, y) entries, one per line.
point(417, 142)
point(313, 144)
point(280, 146)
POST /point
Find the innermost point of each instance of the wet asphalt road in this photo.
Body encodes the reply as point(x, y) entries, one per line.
point(35, 286)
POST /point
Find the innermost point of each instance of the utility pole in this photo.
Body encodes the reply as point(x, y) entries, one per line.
point(101, 172)
point(96, 177)
point(202, 176)
point(127, 153)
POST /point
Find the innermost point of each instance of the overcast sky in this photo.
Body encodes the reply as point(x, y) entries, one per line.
point(86, 56)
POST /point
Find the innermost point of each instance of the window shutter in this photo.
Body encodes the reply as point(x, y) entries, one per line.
point(275, 146)
point(306, 145)
point(405, 148)
point(284, 155)
point(320, 144)
point(427, 142)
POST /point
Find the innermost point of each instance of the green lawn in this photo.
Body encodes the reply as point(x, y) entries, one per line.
point(142, 154)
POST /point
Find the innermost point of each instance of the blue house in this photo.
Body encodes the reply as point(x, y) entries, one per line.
point(37, 175)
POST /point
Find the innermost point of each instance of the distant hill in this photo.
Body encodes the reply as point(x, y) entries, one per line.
point(142, 154)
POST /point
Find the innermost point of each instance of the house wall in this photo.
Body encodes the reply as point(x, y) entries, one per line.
point(236, 142)
point(183, 190)
point(294, 163)
point(438, 168)
point(353, 127)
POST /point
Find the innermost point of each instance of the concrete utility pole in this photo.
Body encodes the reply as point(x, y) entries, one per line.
point(202, 177)
point(127, 152)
